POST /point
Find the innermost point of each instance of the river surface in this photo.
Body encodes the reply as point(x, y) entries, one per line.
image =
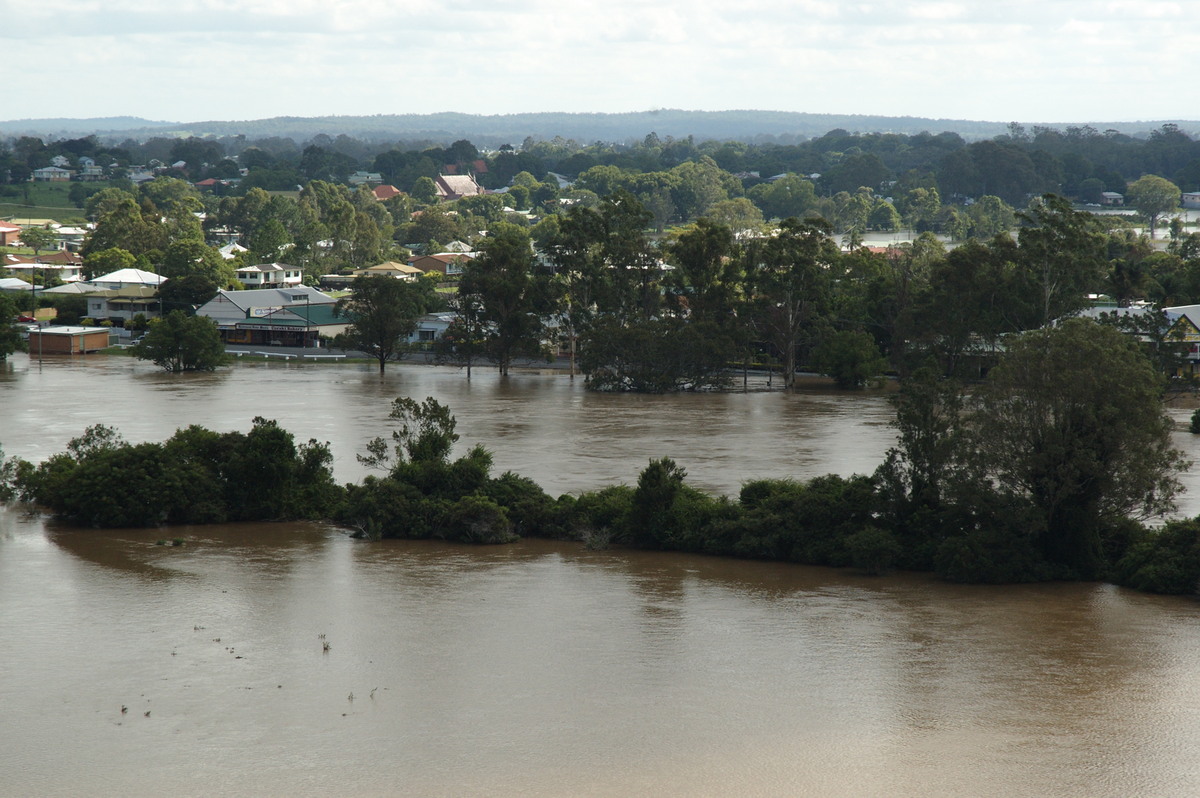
point(134, 668)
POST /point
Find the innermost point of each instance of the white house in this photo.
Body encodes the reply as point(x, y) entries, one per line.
point(65, 269)
point(52, 173)
point(431, 327)
point(123, 277)
point(232, 250)
point(270, 275)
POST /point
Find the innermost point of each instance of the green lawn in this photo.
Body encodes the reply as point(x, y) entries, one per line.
point(46, 201)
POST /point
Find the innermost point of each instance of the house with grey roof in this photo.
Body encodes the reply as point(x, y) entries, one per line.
point(452, 187)
point(295, 316)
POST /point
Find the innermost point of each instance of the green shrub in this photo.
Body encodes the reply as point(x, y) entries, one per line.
point(992, 555)
point(529, 508)
point(476, 519)
point(599, 516)
point(1195, 425)
point(1166, 561)
point(873, 550)
point(196, 476)
point(850, 357)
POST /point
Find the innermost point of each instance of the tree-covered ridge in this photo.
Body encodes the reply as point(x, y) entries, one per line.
point(491, 130)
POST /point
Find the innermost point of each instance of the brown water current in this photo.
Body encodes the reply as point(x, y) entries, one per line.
point(544, 669)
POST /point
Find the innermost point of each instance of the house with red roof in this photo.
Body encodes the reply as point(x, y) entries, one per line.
point(444, 262)
point(9, 233)
point(385, 192)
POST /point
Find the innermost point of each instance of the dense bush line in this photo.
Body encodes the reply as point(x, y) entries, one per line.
point(929, 507)
point(196, 476)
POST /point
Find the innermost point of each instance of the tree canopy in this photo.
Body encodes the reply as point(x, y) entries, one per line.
point(180, 342)
point(383, 313)
point(1153, 196)
point(1071, 420)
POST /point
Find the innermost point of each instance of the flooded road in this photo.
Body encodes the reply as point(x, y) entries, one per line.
point(133, 667)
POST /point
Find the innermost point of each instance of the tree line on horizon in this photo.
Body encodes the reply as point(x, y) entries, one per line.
point(1078, 162)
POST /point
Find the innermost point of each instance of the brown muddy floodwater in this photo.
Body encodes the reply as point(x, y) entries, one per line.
point(544, 669)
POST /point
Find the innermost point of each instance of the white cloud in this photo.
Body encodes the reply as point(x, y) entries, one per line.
point(1035, 60)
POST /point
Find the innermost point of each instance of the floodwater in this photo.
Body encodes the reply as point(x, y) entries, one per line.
point(543, 426)
point(133, 667)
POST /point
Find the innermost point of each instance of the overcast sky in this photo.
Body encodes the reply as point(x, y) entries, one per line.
point(999, 60)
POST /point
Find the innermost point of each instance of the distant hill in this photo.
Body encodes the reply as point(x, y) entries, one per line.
point(74, 128)
point(491, 131)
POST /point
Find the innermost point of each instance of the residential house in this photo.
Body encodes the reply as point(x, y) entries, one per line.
point(1185, 329)
point(431, 327)
point(448, 263)
point(1190, 199)
point(71, 238)
point(9, 234)
point(54, 174)
point(453, 187)
point(1112, 198)
point(401, 271)
point(123, 277)
point(336, 282)
point(124, 303)
point(14, 284)
point(296, 316)
point(90, 173)
point(362, 178)
point(270, 275)
point(67, 265)
point(232, 250)
point(55, 265)
point(385, 192)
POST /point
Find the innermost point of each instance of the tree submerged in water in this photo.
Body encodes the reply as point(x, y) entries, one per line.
point(1046, 472)
point(179, 342)
point(425, 494)
point(196, 476)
